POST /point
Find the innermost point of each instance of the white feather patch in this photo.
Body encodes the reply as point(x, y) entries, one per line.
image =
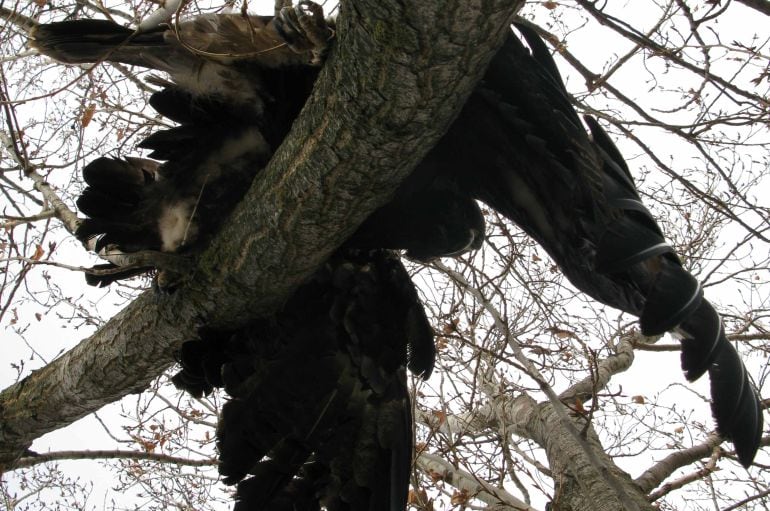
point(176, 226)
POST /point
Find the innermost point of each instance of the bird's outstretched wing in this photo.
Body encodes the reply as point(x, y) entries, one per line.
point(519, 146)
point(136, 205)
point(319, 411)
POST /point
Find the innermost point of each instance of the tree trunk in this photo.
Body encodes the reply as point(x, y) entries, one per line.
point(580, 484)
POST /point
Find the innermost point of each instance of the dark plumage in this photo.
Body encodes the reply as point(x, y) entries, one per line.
point(533, 161)
point(319, 410)
point(429, 222)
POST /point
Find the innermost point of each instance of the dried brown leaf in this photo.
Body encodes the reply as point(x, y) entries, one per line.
point(88, 114)
point(460, 498)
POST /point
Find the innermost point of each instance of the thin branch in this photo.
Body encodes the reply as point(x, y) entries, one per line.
point(686, 479)
point(532, 372)
point(611, 22)
point(605, 370)
point(32, 261)
point(741, 503)
point(66, 215)
point(37, 459)
point(186, 416)
point(496, 498)
point(25, 23)
point(16, 221)
point(656, 474)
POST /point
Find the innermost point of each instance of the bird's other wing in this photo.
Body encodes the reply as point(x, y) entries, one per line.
point(319, 411)
point(519, 146)
point(210, 54)
point(113, 199)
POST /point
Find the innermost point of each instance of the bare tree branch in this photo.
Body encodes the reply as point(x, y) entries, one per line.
point(497, 499)
point(762, 6)
point(30, 461)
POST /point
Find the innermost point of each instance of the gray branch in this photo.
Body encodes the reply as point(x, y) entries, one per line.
point(497, 499)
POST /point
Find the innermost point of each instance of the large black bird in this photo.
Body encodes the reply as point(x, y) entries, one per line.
point(533, 161)
point(517, 145)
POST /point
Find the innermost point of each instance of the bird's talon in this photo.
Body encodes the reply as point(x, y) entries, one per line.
point(304, 29)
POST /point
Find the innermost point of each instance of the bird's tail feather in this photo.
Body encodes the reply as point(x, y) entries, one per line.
point(299, 493)
point(118, 203)
point(673, 297)
point(99, 204)
point(734, 402)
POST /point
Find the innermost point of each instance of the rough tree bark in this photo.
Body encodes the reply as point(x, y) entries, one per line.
point(585, 477)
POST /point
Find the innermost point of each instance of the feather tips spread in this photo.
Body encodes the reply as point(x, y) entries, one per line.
point(318, 392)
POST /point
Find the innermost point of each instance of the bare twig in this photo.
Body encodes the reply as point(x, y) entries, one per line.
point(36, 458)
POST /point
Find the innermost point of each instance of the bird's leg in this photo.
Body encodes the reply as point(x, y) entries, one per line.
point(171, 269)
point(160, 260)
point(304, 29)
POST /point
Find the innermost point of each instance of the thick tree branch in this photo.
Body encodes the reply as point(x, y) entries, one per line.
point(496, 499)
point(579, 484)
point(599, 474)
point(656, 474)
point(398, 75)
point(762, 6)
point(578, 488)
